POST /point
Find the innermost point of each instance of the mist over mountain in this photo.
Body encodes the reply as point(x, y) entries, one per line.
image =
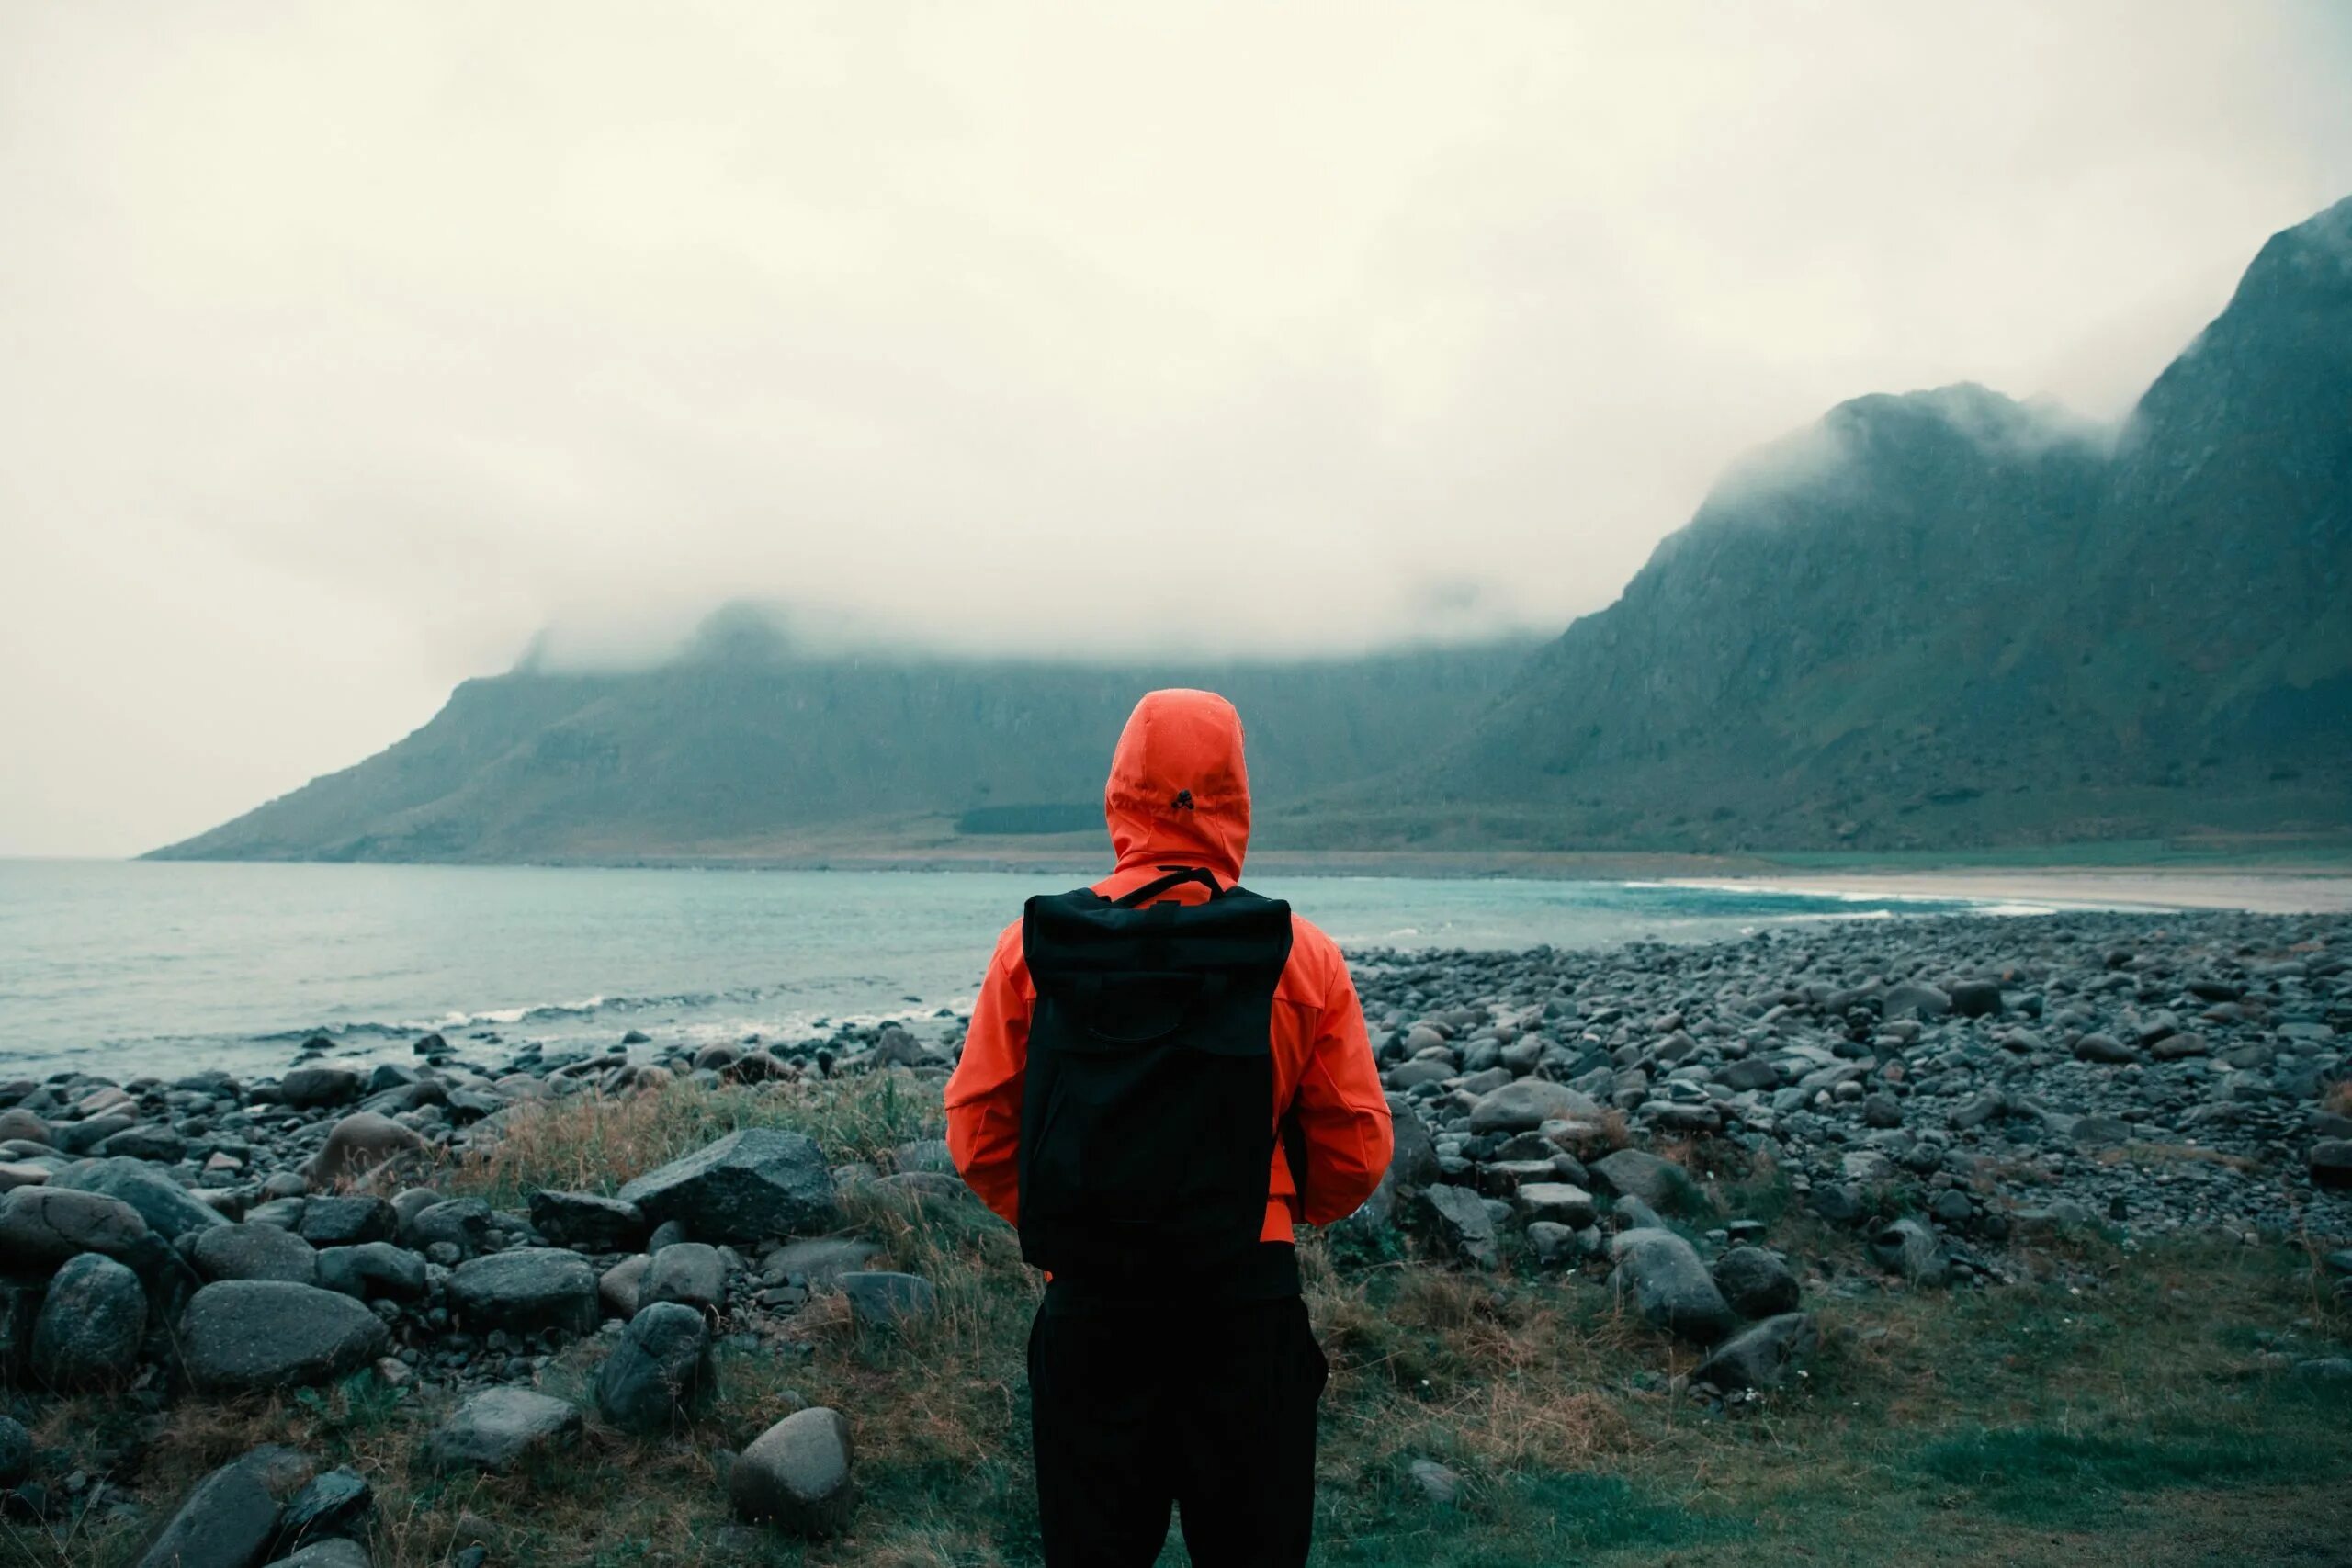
point(745, 744)
point(1945, 618)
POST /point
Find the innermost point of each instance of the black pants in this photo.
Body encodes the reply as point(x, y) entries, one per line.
point(1208, 1407)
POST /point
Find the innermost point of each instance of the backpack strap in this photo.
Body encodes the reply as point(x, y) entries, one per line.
point(1177, 876)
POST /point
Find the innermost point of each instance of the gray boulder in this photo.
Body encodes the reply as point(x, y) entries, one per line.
point(254, 1252)
point(151, 1141)
point(462, 1222)
point(1660, 1276)
point(2107, 1048)
point(588, 1221)
point(45, 1225)
point(689, 1273)
point(661, 1370)
point(170, 1210)
point(1905, 1247)
point(879, 1296)
point(1526, 1105)
point(797, 1474)
point(307, 1089)
point(1456, 1222)
point(1662, 1184)
point(1413, 1162)
point(248, 1336)
point(334, 1503)
point(1761, 1355)
point(533, 1287)
point(372, 1270)
point(1559, 1202)
point(2330, 1162)
point(500, 1428)
point(347, 1220)
point(1756, 1283)
point(90, 1324)
point(1912, 1000)
point(1976, 998)
point(225, 1521)
point(750, 1185)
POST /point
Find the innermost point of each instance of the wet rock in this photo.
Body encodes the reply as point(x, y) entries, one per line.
point(336, 1503)
point(750, 1185)
point(347, 1220)
point(1660, 1274)
point(254, 1252)
point(464, 1223)
point(45, 1225)
point(224, 1522)
point(1457, 1223)
point(2103, 1048)
point(1635, 1173)
point(498, 1428)
point(152, 1141)
point(660, 1371)
point(530, 1289)
point(797, 1474)
point(1559, 1202)
point(252, 1336)
point(1756, 1283)
point(1527, 1104)
point(309, 1088)
point(170, 1210)
point(1976, 998)
point(2330, 1161)
point(590, 1222)
point(620, 1289)
point(373, 1270)
point(88, 1332)
point(689, 1273)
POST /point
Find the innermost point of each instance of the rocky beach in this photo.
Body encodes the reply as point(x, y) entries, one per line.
point(495, 1303)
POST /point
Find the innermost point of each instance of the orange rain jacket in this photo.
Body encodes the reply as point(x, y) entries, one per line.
point(1179, 794)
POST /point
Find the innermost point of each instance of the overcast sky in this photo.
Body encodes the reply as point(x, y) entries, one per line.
point(343, 346)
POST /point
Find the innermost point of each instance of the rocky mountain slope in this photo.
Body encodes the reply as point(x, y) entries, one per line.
point(1939, 619)
point(1947, 617)
point(743, 744)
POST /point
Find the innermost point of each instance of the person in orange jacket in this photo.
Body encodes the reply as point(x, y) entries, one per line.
point(1196, 1388)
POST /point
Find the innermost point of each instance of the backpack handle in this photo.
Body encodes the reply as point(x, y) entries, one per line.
point(1177, 876)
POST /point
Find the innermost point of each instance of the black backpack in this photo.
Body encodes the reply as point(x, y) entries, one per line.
point(1148, 1116)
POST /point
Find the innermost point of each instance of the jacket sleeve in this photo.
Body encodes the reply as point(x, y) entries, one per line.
point(1341, 1108)
point(984, 1092)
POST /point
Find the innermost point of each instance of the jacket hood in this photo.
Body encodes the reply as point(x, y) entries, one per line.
point(1179, 791)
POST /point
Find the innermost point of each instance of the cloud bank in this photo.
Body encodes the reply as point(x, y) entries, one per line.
point(344, 347)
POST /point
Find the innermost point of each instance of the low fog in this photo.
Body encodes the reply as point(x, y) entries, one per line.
point(345, 348)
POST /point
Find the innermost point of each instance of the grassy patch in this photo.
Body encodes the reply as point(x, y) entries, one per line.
point(2047, 1476)
point(2109, 1408)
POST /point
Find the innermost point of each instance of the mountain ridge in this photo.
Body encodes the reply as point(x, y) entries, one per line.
point(1933, 619)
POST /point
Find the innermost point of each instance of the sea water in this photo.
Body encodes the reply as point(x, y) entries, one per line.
point(129, 967)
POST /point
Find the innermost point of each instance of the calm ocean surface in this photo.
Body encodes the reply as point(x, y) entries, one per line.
point(126, 968)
